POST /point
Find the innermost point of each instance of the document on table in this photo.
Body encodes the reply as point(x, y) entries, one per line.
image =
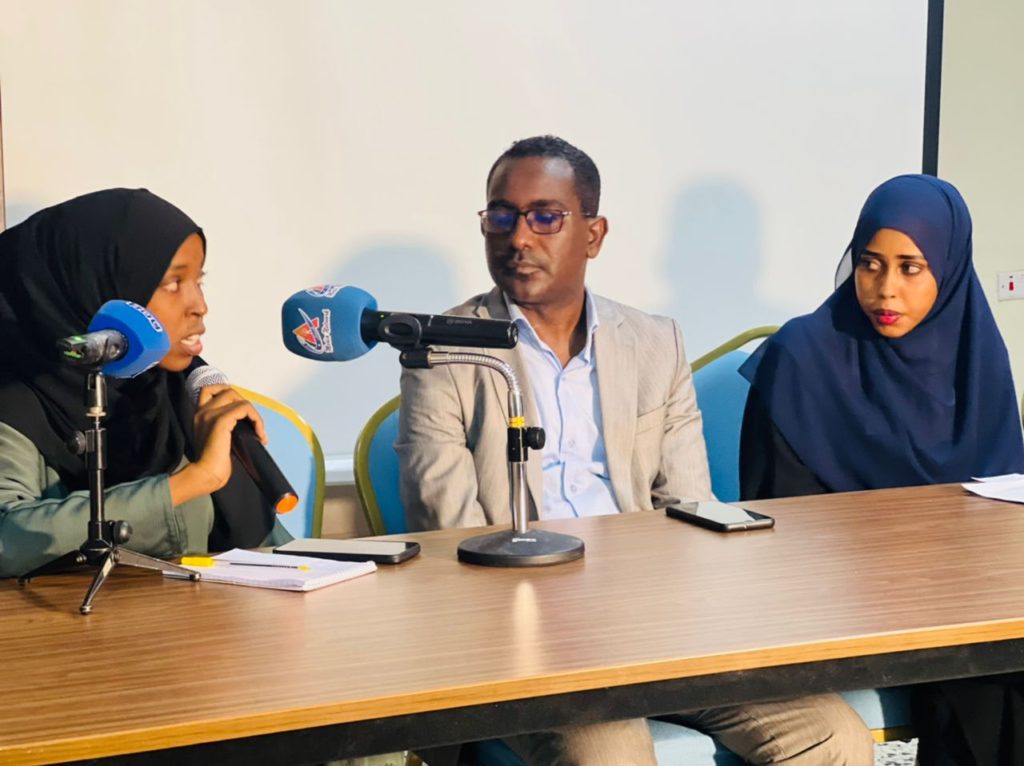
point(273, 570)
point(1006, 487)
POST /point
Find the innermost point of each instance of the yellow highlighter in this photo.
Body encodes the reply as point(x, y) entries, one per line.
point(209, 561)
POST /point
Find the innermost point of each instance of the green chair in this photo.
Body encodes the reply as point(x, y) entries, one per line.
point(297, 452)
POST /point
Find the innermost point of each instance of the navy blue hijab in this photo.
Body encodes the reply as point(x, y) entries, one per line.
point(862, 411)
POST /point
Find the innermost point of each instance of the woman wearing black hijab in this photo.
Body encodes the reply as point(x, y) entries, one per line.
point(169, 473)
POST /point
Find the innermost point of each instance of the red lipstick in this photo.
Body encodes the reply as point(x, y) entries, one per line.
point(886, 317)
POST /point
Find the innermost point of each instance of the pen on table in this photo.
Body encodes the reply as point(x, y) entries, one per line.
point(207, 561)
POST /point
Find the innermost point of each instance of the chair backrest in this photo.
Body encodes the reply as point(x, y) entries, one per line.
point(721, 396)
point(297, 452)
point(733, 344)
point(376, 470)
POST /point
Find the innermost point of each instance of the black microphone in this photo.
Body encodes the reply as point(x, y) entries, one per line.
point(93, 348)
point(334, 324)
point(400, 329)
point(245, 444)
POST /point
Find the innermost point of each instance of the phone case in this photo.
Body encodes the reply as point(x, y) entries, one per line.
point(765, 522)
point(411, 550)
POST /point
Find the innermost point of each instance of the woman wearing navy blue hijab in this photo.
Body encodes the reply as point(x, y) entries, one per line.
point(900, 378)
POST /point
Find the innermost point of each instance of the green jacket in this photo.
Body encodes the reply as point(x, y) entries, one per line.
point(40, 520)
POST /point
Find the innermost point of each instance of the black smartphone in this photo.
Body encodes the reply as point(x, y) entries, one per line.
point(380, 551)
point(719, 516)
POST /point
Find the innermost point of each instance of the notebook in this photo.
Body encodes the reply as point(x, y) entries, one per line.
point(236, 567)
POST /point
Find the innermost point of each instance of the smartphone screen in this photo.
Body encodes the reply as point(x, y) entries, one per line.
point(719, 516)
point(380, 551)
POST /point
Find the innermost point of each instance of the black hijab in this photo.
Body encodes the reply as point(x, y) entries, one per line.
point(56, 269)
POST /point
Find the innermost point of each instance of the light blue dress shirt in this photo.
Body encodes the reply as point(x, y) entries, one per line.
point(574, 460)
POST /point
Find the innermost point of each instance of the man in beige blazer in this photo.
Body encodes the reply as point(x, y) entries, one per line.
point(625, 422)
point(453, 421)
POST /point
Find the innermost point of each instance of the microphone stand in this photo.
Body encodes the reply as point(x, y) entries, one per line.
point(100, 548)
point(519, 546)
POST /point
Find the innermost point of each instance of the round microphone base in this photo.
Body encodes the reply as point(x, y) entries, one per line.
point(535, 548)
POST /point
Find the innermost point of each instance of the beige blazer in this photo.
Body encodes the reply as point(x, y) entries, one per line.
point(453, 419)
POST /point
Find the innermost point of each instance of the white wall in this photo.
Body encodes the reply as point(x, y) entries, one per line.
point(980, 146)
point(348, 142)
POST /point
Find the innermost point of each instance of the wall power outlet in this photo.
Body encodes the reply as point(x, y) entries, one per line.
point(1011, 285)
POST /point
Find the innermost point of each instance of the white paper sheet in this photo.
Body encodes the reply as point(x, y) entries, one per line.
point(1008, 487)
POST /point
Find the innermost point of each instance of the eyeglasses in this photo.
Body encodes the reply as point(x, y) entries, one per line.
point(502, 220)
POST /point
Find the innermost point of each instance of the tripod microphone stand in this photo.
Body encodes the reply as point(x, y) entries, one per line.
point(102, 545)
point(519, 546)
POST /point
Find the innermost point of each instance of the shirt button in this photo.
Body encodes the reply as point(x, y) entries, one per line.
point(572, 442)
point(574, 488)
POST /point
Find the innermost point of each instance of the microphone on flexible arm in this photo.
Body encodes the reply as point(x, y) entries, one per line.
point(245, 444)
point(331, 323)
point(123, 340)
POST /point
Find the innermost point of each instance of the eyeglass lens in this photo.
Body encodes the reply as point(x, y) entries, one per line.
point(540, 220)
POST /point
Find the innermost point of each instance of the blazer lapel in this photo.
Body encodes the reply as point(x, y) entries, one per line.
point(494, 307)
point(615, 351)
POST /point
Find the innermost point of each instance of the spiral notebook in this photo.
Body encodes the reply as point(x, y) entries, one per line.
point(270, 570)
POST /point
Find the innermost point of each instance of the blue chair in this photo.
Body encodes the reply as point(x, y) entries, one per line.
point(721, 396)
point(886, 712)
point(376, 471)
point(673, 744)
point(297, 452)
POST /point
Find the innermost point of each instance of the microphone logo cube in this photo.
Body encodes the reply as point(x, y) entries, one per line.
point(314, 334)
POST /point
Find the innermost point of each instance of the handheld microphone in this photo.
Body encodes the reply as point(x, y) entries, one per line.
point(245, 444)
point(123, 340)
point(334, 324)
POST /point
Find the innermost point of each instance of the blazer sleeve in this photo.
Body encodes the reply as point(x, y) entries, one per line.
point(768, 466)
point(438, 478)
point(684, 473)
point(40, 521)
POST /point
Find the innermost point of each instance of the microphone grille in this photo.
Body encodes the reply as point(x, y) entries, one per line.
point(201, 377)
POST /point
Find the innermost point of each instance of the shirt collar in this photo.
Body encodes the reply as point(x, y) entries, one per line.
point(526, 329)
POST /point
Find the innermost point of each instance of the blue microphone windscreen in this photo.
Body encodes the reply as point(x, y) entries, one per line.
point(148, 343)
point(323, 322)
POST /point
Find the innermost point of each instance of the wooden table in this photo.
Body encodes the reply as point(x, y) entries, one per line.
point(856, 590)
